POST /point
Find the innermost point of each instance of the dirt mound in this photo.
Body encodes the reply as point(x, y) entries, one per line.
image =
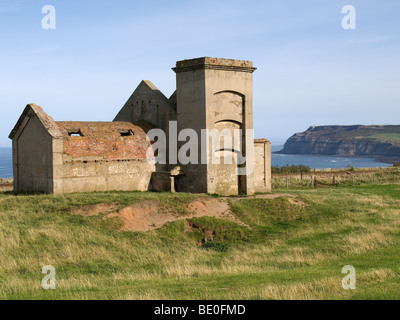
point(143, 216)
point(296, 202)
point(197, 206)
point(217, 208)
point(149, 215)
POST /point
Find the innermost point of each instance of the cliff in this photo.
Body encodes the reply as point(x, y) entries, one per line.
point(357, 140)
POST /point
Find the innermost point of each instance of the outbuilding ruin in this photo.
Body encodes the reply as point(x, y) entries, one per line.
point(72, 156)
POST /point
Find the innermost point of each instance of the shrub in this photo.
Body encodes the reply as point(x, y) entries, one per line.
point(217, 246)
point(290, 169)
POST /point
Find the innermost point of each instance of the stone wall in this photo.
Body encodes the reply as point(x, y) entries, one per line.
point(104, 156)
point(262, 166)
point(147, 103)
point(213, 94)
point(229, 105)
point(6, 185)
point(75, 156)
point(191, 114)
point(6, 181)
point(32, 157)
point(87, 176)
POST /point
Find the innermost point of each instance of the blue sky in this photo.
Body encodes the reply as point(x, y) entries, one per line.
point(310, 70)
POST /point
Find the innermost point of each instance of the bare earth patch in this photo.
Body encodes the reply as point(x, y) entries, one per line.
point(297, 202)
point(148, 215)
point(217, 208)
point(143, 216)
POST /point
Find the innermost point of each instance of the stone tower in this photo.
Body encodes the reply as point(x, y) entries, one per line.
point(215, 93)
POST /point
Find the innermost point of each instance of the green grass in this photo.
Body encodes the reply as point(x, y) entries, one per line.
point(288, 250)
point(362, 176)
point(389, 137)
point(388, 133)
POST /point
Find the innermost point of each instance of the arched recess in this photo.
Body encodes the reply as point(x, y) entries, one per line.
point(227, 105)
point(230, 91)
point(227, 113)
point(229, 135)
point(229, 120)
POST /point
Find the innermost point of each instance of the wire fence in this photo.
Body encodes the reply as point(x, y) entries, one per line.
point(336, 178)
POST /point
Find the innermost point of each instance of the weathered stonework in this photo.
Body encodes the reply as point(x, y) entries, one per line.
point(262, 166)
point(212, 93)
point(103, 141)
point(217, 94)
point(102, 156)
point(214, 64)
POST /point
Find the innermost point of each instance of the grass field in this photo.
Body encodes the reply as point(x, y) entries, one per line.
point(389, 133)
point(390, 137)
point(284, 249)
point(341, 177)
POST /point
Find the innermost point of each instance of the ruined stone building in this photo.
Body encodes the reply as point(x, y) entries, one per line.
point(211, 93)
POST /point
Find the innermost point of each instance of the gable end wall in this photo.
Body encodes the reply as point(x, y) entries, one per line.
point(32, 157)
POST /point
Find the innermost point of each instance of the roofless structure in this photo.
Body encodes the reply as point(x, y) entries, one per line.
point(72, 156)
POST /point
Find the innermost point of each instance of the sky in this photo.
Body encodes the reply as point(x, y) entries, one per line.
point(310, 71)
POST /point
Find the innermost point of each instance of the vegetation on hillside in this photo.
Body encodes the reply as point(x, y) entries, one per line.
point(389, 137)
point(357, 140)
point(337, 178)
point(383, 133)
point(290, 169)
point(292, 246)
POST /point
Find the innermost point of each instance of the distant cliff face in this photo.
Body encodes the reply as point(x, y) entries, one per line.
point(355, 140)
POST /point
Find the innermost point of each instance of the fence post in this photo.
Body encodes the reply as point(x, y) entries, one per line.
point(301, 176)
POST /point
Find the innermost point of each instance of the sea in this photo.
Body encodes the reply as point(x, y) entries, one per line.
point(323, 162)
point(314, 162)
point(6, 170)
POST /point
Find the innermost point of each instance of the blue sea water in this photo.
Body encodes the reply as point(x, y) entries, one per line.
point(6, 170)
point(315, 162)
point(322, 162)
